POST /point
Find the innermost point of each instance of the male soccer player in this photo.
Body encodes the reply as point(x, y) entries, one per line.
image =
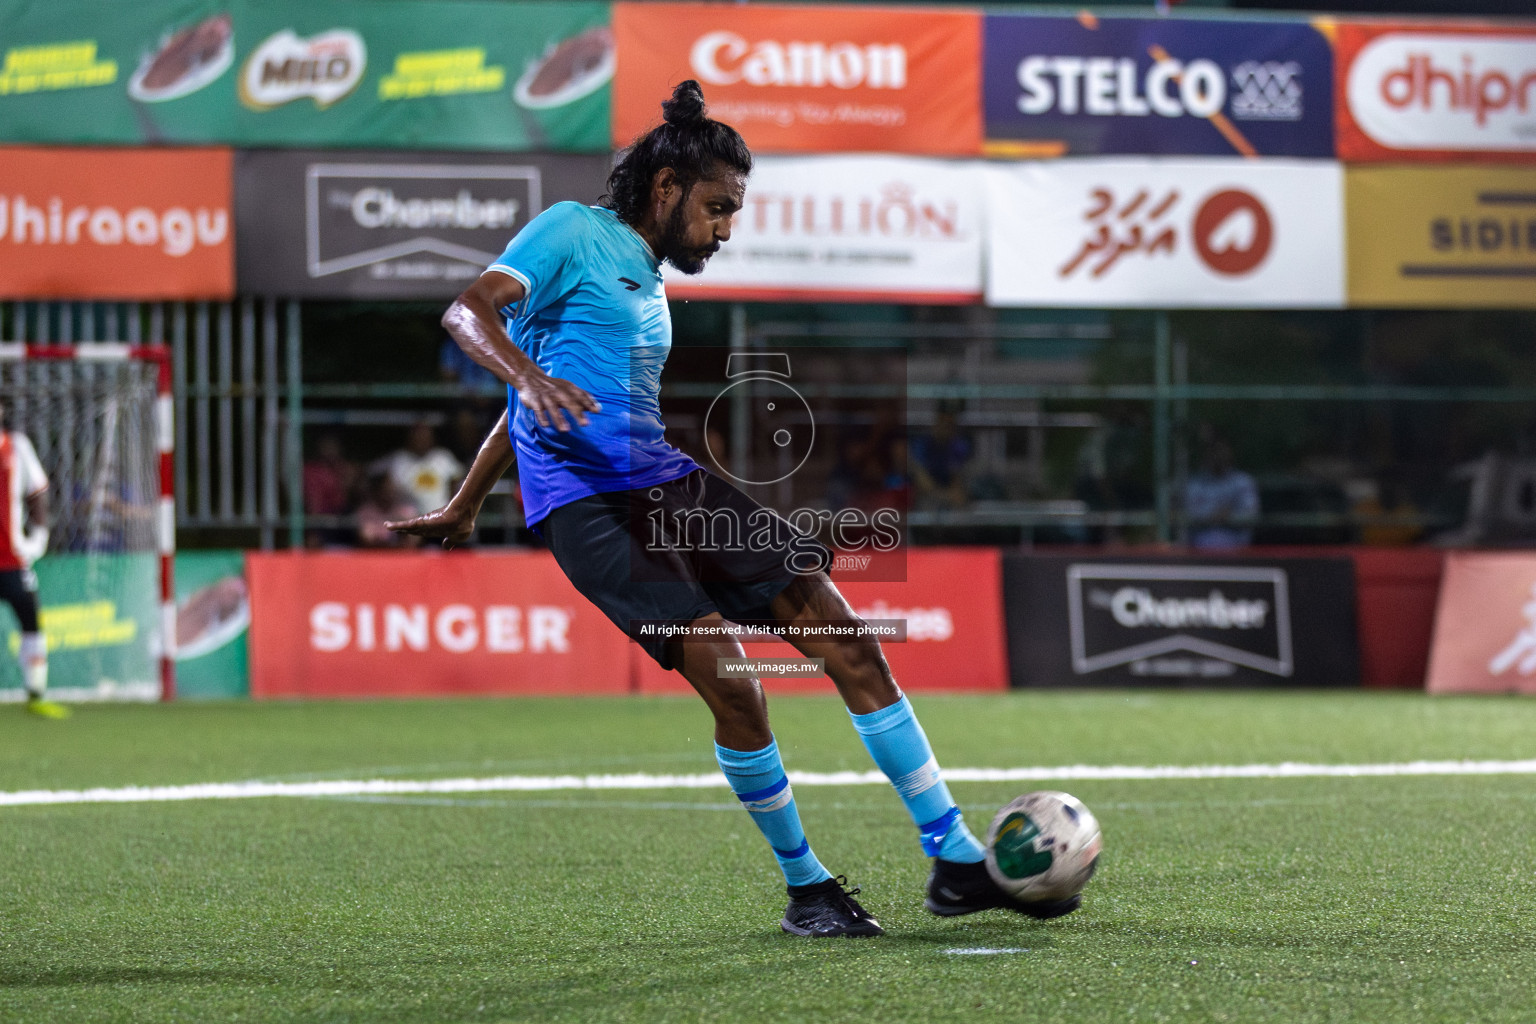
point(574, 318)
point(23, 539)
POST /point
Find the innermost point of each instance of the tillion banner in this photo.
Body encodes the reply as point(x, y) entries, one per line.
point(1166, 233)
point(1090, 85)
point(1138, 621)
point(115, 224)
point(871, 228)
point(951, 602)
point(359, 224)
point(1441, 237)
point(350, 624)
point(1436, 91)
point(807, 79)
point(453, 74)
point(1485, 625)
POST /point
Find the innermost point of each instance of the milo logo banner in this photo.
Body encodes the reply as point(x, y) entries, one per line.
point(1117, 621)
point(1091, 85)
point(360, 224)
point(407, 74)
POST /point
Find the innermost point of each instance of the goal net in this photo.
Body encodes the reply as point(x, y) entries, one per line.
point(94, 415)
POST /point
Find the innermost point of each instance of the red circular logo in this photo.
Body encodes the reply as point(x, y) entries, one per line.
point(1233, 232)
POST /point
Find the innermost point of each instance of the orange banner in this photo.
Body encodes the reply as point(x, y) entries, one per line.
point(806, 79)
point(952, 603)
point(354, 624)
point(1426, 90)
point(137, 224)
point(1485, 627)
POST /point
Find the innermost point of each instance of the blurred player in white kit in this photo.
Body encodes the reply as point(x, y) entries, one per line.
point(23, 539)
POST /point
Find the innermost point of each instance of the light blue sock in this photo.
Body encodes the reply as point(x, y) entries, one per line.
point(758, 780)
point(897, 743)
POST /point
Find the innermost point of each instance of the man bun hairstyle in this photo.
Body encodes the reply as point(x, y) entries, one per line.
point(694, 145)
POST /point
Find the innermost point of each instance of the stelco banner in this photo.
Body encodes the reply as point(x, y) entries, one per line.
point(806, 79)
point(115, 224)
point(391, 225)
point(1441, 237)
point(1436, 91)
point(951, 602)
point(406, 74)
point(351, 624)
point(1166, 233)
point(1485, 625)
point(1116, 622)
point(870, 228)
point(1089, 85)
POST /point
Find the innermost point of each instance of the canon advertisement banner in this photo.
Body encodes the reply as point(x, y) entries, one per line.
point(1442, 237)
point(353, 624)
point(1485, 625)
point(116, 224)
point(1166, 233)
point(872, 228)
point(1436, 91)
point(806, 79)
point(1116, 621)
point(951, 603)
point(389, 225)
point(1090, 85)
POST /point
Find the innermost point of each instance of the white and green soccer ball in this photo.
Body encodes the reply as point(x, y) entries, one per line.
point(1043, 846)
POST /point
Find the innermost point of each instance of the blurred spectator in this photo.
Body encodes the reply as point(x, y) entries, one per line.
point(1391, 502)
point(424, 473)
point(938, 462)
point(330, 487)
point(383, 503)
point(1220, 501)
point(454, 367)
point(871, 467)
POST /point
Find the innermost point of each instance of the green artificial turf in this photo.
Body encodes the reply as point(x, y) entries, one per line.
point(1339, 899)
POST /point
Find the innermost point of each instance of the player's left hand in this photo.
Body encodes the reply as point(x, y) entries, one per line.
point(452, 525)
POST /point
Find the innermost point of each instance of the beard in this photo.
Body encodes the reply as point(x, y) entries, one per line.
point(676, 250)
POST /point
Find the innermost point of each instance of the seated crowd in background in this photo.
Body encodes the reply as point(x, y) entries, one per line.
point(418, 477)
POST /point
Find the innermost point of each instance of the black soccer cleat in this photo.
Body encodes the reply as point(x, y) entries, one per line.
point(826, 910)
point(955, 889)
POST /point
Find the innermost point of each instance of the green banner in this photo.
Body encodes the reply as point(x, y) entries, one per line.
point(100, 613)
point(213, 617)
point(428, 74)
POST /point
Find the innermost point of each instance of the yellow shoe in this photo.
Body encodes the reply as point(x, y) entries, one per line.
point(47, 708)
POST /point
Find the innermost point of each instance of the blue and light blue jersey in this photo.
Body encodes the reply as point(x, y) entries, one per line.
point(595, 314)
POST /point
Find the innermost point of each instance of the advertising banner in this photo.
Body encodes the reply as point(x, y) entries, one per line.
point(1441, 237)
point(1166, 233)
point(115, 224)
point(100, 614)
point(424, 74)
point(362, 224)
point(1108, 621)
point(354, 624)
point(1426, 91)
point(1090, 85)
point(1485, 626)
point(807, 79)
point(213, 616)
point(951, 602)
point(875, 228)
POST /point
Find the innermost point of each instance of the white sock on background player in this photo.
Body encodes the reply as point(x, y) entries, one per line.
point(34, 664)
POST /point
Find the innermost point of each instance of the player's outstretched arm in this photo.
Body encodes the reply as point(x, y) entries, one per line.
point(455, 521)
point(474, 321)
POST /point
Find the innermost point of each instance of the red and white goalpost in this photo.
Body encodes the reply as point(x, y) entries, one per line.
point(101, 418)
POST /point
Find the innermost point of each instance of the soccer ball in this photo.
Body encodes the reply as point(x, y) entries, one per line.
point(1043, 847)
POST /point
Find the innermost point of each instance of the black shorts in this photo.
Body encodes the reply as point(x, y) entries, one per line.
point(18, 588)
point(676, 552)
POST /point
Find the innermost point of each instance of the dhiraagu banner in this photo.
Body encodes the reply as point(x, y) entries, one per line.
point(447, 74)
point(100, 613)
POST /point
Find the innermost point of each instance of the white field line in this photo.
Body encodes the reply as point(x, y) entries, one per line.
point(648, 781)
